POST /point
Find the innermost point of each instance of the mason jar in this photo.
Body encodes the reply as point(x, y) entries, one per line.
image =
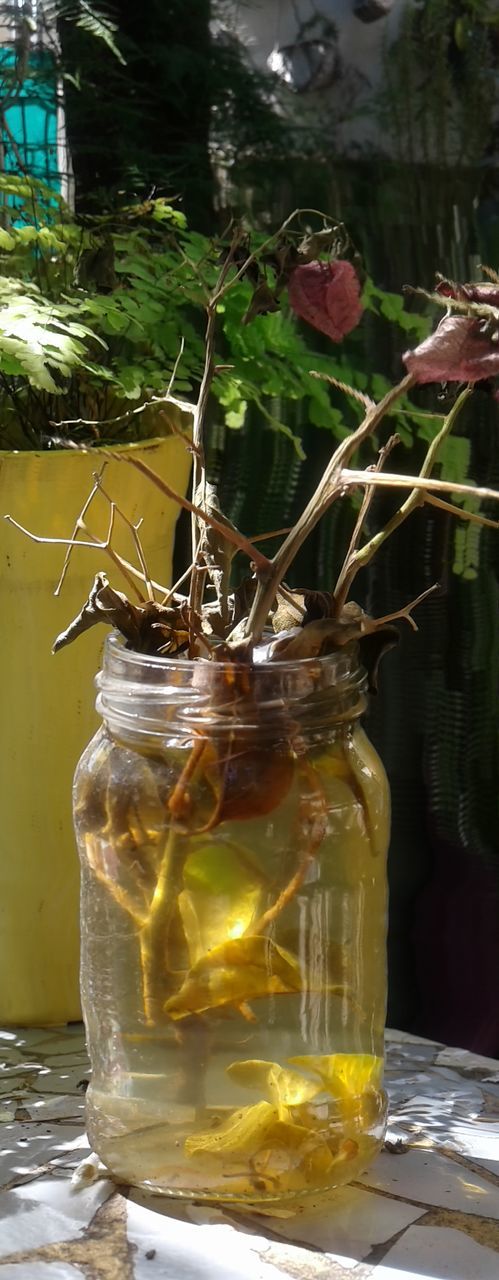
point(232, 821)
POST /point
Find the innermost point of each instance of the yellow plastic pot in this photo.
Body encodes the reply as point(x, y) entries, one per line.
point(47, 702)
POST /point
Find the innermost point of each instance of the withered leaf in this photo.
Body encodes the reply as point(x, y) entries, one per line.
point(244, 969)
point(148, 628)
point(249, 783)
point(324, 634)
point(262, 303)
point(104, 604)
point(241, 1135)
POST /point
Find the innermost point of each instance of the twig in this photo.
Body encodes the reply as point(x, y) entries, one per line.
point(134, 530)
point(408, 608)
point(198, 423)
point(463, 306)
point(252, 257)
point(358, 558)
point(330, 487)
point(460, 512)
point(128, 570)
point(225, 530)
point(389, 481)
point(79, 525)
point(343, 583)
point(183, 405)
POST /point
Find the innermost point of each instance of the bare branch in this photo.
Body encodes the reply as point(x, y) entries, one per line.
point(346, 575)
point(330, 487)
point(225, 530)
point(79, 525)
point(358, 558)
point(134, 530)
point(389, 481)
point(460, 512)
point(408, 608)
point(128, 570)
point(183, 405)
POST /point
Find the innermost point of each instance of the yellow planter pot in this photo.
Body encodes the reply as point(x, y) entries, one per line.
point(47, 712)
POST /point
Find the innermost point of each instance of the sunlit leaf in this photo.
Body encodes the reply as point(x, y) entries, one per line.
point(222, 894)
point(244, 969)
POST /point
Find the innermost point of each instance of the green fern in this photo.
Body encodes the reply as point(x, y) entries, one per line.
point(40, 340)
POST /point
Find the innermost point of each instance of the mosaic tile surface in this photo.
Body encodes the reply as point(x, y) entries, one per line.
point(429, 1206)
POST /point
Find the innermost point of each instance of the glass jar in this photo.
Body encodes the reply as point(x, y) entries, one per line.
point(233, 823)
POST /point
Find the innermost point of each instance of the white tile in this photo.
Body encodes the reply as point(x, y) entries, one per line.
point(449, 1057)
point(63, 1107)
point(40, 1271)
point(64, 1079)
point(76, 1059)
point(405, 1037)
point(477, 1139)
point(423, 1175)
point(26, 1147)
point(57, 1194)
point(347, 1222)
point(30, 1226)
point(440, 1253)
point(186, 1252)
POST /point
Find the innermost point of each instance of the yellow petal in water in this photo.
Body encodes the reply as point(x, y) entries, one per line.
point(344, 1075)
point(282, 1087)
point(243, 969)
point(242, 1135)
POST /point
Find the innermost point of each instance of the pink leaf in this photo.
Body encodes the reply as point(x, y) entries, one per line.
point(458, 351)
point(327, 296)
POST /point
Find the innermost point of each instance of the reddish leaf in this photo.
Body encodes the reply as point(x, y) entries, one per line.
point(327, 296)
point(481, 292)
point(458, 351)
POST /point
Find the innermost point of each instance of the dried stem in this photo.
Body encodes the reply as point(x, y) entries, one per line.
point(134, 531)
point(313, 812)
point(330, 487)
point(226, 531)
point(128, 570)
point(460, 512)
point(353, 392)
point(79, 525)
point(357, 558)
point(407, 610)
point(343, 583)
point(388, 480)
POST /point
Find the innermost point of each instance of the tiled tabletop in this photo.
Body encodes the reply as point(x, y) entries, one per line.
point(429, 1206)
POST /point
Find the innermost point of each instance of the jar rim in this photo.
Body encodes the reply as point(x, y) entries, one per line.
point(115, 646)
point(144, 694)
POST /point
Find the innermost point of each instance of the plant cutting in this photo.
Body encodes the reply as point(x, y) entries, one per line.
point(231, 814)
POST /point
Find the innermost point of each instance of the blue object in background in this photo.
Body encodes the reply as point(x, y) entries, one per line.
point(31, 117)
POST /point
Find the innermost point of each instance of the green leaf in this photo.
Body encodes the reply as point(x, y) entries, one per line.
point(7, 241)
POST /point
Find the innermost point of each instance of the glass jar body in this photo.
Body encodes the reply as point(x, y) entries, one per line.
point(233, 935)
